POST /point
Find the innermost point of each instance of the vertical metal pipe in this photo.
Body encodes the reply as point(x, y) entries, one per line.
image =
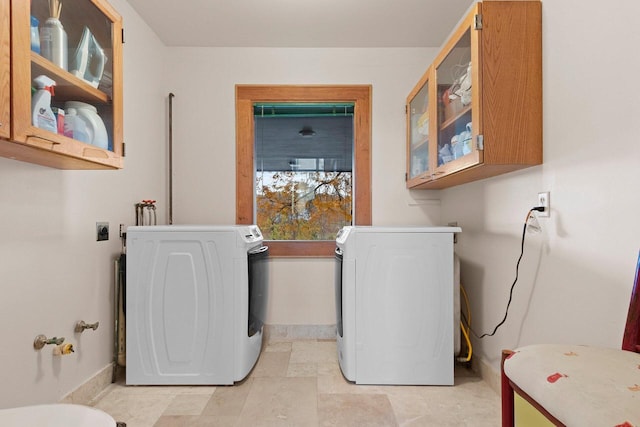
point(171, 95)
point(116, 335)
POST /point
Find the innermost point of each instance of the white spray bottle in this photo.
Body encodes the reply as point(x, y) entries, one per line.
point(41, 114)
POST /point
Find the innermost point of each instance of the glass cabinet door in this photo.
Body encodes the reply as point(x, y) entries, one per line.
point(419, 129)
point(76, 48)
point(455, 91)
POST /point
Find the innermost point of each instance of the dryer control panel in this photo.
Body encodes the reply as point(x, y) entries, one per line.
point(343, 234)
point(250, 234)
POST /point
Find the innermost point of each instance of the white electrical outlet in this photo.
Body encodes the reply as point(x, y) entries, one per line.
point(545, 201)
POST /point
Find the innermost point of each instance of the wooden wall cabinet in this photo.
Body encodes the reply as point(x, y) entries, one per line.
point(477, 110)
point(35, 145)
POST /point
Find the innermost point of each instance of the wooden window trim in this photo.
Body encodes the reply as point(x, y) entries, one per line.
point(246, 97)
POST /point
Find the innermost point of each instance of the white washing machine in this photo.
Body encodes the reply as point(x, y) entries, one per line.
point(195, 303)
point(395, 304)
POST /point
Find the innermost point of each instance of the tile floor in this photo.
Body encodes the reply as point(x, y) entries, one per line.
point(299, 384)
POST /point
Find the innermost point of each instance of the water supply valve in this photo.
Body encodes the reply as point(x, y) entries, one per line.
point(42, 340)
point(82, 325)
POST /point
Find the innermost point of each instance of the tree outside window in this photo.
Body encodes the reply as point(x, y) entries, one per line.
point(303, 206)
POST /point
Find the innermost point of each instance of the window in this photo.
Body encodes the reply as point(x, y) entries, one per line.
point(304, 164)
point(247, 98)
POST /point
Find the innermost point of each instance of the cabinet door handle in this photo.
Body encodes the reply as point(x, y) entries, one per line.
point(42, 138)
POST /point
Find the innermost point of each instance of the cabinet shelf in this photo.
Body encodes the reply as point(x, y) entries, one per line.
point(421, 143)
point(68, 86)
point(98, 158)
point(452, 120)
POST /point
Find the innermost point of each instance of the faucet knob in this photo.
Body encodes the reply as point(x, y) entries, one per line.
point(82, 325)
point(41, 340)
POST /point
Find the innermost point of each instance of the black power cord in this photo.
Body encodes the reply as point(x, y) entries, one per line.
point(506, 311)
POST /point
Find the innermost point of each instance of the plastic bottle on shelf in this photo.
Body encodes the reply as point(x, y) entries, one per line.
point(59, 113)
point(95, 128)
point(75, 127)
point(35, 35)
point(53, 42)
point(41, 114)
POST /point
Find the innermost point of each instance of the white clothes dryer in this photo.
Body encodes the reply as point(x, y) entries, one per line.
point(195, 303)
point(395, 304)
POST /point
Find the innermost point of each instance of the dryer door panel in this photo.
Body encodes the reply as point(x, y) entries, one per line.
point(178, 302)
point(404, 298)
point(180, 308)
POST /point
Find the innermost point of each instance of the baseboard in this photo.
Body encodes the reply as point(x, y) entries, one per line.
point(86, 393)
point(298, 332)
point(487, 373)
